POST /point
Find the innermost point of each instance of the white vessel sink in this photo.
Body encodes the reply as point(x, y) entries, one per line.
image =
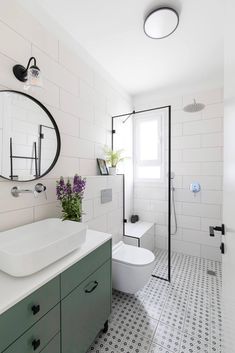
point(28, 249)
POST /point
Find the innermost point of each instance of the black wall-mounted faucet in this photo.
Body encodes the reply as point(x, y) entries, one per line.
point(217, 229)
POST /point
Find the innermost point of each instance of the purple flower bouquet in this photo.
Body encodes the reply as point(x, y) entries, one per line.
point(70, 196)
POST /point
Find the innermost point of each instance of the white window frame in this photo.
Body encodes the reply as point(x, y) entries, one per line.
point(159, 116)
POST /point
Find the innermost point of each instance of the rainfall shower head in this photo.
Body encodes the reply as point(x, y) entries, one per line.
point(194, 107)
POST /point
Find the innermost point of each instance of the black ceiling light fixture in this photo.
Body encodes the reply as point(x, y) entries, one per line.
point(161, 22)
point(31, 75)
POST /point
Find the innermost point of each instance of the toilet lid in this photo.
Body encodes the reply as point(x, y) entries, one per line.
point(132, 255)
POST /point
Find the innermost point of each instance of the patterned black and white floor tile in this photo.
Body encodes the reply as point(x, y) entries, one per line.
point(181, 317)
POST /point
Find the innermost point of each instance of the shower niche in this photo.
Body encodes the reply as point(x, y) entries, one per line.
point(145, 137)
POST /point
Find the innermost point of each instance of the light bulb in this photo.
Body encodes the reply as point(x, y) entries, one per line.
point(34, 77)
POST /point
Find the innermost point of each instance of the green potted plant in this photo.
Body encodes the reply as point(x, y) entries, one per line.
point(70, 195)
point(113, 158)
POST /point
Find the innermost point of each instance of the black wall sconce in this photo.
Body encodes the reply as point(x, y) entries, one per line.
point(31, 75)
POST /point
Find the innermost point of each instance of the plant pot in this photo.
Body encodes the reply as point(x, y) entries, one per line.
point(112, 170)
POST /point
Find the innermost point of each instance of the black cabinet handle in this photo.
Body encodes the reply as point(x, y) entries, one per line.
point(222, 248)
point(93, 288)
point(35, 309)
point(36, 344)
point(218, 229)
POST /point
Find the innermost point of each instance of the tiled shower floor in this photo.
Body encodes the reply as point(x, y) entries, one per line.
point(184, 316)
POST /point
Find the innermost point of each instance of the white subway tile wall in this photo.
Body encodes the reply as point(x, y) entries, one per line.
point(197, 155)
point(81, 99)
point(104, 217)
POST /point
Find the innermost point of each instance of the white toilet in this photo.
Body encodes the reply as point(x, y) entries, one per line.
point(132, 267)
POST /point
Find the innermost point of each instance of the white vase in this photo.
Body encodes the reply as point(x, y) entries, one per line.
point(112, 171)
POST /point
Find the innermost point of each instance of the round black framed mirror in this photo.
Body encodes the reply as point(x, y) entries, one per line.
point(29, 137)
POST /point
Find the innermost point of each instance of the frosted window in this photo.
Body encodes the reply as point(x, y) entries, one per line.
point(148, 147)
point(148, 140)
point(149, 172)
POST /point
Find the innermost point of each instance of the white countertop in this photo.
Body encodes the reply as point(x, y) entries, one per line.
point(14, 289)
point(137, 229)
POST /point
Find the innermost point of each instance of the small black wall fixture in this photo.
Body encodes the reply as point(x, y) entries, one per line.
point(21, 73)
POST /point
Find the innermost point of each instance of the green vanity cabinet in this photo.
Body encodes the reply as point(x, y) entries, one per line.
point(15, 321)
point(65, 314)
point(39, 335)
point(85, 310)
point(77, 273)
point(53, 346)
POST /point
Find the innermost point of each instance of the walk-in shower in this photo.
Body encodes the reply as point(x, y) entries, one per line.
point(145, 136)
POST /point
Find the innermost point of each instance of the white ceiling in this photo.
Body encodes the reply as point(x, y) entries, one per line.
point(112, 32)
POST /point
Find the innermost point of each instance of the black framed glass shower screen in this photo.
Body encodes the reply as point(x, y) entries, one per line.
point(145, 137)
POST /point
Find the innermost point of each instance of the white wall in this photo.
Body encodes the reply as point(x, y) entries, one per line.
point(104, 217)
point(75, 92)
point(197, 155)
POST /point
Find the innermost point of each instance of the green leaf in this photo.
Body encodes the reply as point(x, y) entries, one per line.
point(113, 157)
